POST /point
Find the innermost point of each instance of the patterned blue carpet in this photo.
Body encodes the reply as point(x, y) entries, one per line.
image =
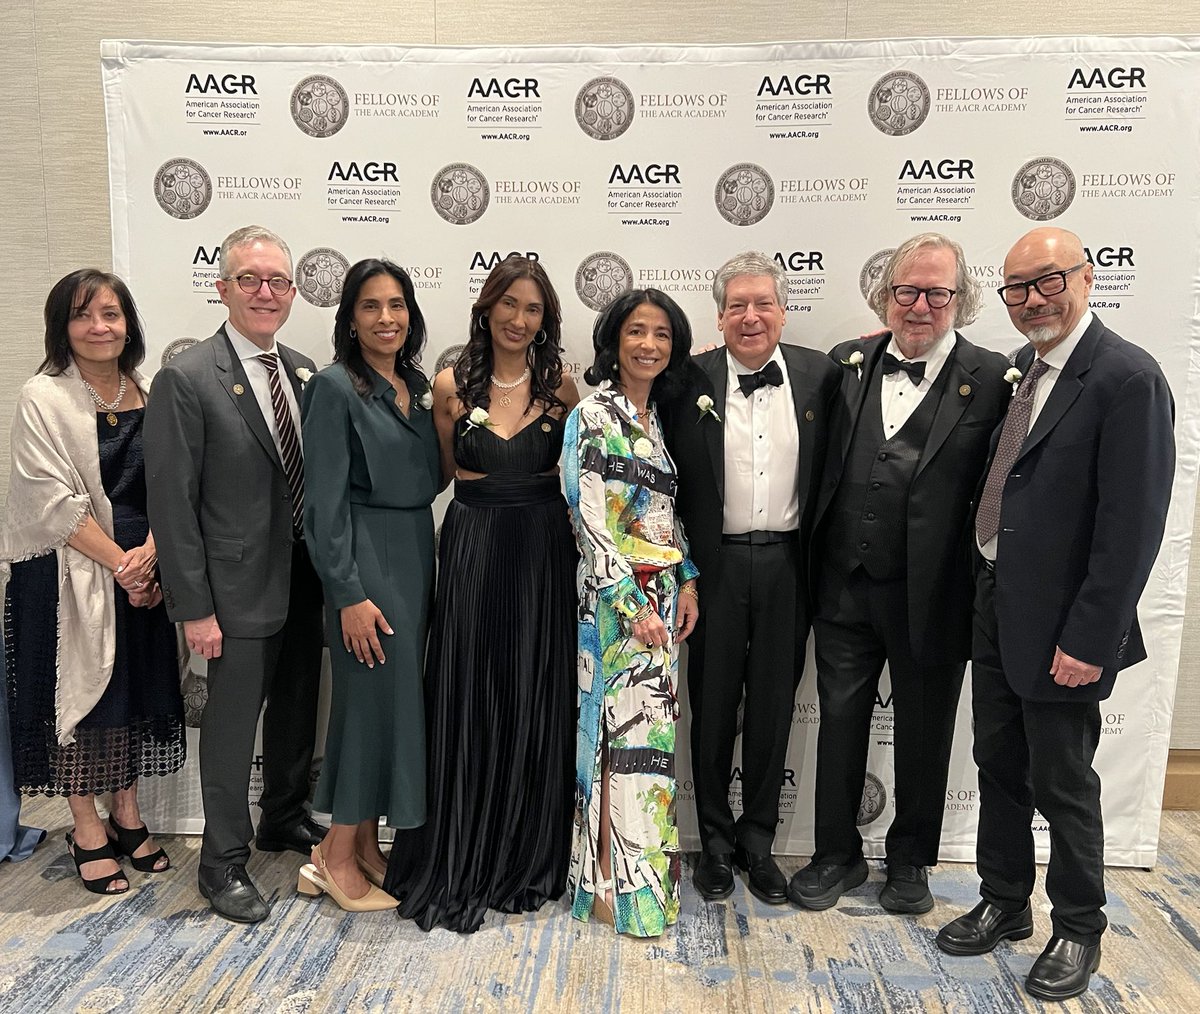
point(159, 949)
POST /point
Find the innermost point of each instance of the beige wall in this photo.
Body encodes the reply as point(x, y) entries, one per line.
point(54, 181)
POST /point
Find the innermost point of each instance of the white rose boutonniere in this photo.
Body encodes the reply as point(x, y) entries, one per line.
point(642, 447)
point(304, 374)
point(1013, 376)
point(478, 417)
point(705, 404)
point(855, 360)
point(426, 400)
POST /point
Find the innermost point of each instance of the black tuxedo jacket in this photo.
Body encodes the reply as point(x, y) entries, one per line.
point(975, 398)
point(217, 494)
point(1083, 514)
point(696, 442)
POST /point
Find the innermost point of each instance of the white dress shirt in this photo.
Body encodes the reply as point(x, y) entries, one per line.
point(1055, 360)
point(899, 395)
point(260, 383)
point(762, 454)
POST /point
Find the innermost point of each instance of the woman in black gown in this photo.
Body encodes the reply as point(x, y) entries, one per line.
point(499, 677)
point(93, 681)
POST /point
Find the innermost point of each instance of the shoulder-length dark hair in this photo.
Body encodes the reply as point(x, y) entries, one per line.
point(346, 349)
point(473, 370)
point(606, 340)
point(73, 292)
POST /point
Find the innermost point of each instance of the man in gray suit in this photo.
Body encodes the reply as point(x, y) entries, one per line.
point(225, 489)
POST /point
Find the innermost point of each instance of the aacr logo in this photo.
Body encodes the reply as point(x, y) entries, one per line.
point(800, 84)
point(510, 88)
point(227, 84)
point(485, 262)
point(946, 169)
point(1118, 77)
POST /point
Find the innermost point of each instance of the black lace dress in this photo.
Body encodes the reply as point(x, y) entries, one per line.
point(499, 691)
point(136, 728)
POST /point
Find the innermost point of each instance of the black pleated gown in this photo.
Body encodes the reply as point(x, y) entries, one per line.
point(499, 691)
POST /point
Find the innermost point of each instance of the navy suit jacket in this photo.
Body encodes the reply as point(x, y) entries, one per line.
point(1082, 517)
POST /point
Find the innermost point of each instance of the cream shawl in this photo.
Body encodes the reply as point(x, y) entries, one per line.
point(53, 486)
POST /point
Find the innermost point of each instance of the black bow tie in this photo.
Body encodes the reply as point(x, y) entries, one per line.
point(915, 371)
point(770, 375)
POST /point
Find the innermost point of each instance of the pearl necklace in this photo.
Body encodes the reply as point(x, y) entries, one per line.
point(108, 406)
point(505, 399)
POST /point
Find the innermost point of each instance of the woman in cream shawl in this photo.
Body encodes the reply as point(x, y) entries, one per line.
point(92, 679)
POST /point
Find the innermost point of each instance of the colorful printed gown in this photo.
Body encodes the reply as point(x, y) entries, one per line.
point(620, 486)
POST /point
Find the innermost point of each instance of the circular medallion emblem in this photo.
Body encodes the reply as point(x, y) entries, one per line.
point(195, 695)
point(448, 357)
point(182, 188)
point(744, 194)
point(320, 106)
point(459, 193)
point(319, 276)
point(872, 271)
point(1043, 188)
point(898, 103)
point(601, 278)
point(874, 799)
point(175, 347)
point(604, 108)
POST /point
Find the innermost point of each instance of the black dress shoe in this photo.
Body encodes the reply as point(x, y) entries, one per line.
point(907, 890)
point(297, 838)
point(983, 927)
point(714, 875)
point(765, 880)
point(232, 894)
point(1062, 970)
point(819, 885)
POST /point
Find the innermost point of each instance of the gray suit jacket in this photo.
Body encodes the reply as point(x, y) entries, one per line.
point(218, 499)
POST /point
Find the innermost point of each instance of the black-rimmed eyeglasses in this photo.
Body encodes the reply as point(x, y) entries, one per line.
point(937, 297)
point(252, 283)
point(1050, 284)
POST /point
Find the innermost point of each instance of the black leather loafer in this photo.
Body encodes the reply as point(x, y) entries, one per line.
point(713, 878)
point(819, 885)
point(764, 878)
point(232, 894)
point(983, 927)
point(297, 838)
point(1063, 970)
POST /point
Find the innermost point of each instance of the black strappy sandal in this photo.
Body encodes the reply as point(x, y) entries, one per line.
point(81, 855)
point(129, 840)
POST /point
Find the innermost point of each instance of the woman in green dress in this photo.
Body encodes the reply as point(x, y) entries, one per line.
point(372, 472)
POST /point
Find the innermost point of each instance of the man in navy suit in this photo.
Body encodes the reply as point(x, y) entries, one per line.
point(1068, 525)
point(908, 443)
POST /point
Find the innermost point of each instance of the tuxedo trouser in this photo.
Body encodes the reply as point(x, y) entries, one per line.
point(1035, 754)
point(860, 624)
point(284, 671)
point(745, 644)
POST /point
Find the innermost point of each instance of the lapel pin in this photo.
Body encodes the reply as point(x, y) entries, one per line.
point(545, 427)
point(809, 415)
point(965, 390)
point(238, 389)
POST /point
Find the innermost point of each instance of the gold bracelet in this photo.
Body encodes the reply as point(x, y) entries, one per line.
point(689, 589)
point(645, 611)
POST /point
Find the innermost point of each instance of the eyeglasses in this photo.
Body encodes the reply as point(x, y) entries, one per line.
point(938, 298)
point(252, 283)
point(1047, 285)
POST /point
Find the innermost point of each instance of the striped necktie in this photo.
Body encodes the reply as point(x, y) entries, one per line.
point(289, 440)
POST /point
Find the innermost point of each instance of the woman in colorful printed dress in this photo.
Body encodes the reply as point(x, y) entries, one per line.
point(637, 602)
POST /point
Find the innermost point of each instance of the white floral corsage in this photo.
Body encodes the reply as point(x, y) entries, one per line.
point(855, 360)
point(642, 447)
point(478, 417)
point(705, 404)
point(426, 400)
point(304, 374)
point(1013, 376)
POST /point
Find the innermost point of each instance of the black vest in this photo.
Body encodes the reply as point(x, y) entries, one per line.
point(868, 518)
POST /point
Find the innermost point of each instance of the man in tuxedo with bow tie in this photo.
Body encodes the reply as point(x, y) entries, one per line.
point(225, 484)
point(1069, 523)
point(748, 440)
point(908, 444)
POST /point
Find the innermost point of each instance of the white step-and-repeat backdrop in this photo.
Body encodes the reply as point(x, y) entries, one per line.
point(648, 166)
